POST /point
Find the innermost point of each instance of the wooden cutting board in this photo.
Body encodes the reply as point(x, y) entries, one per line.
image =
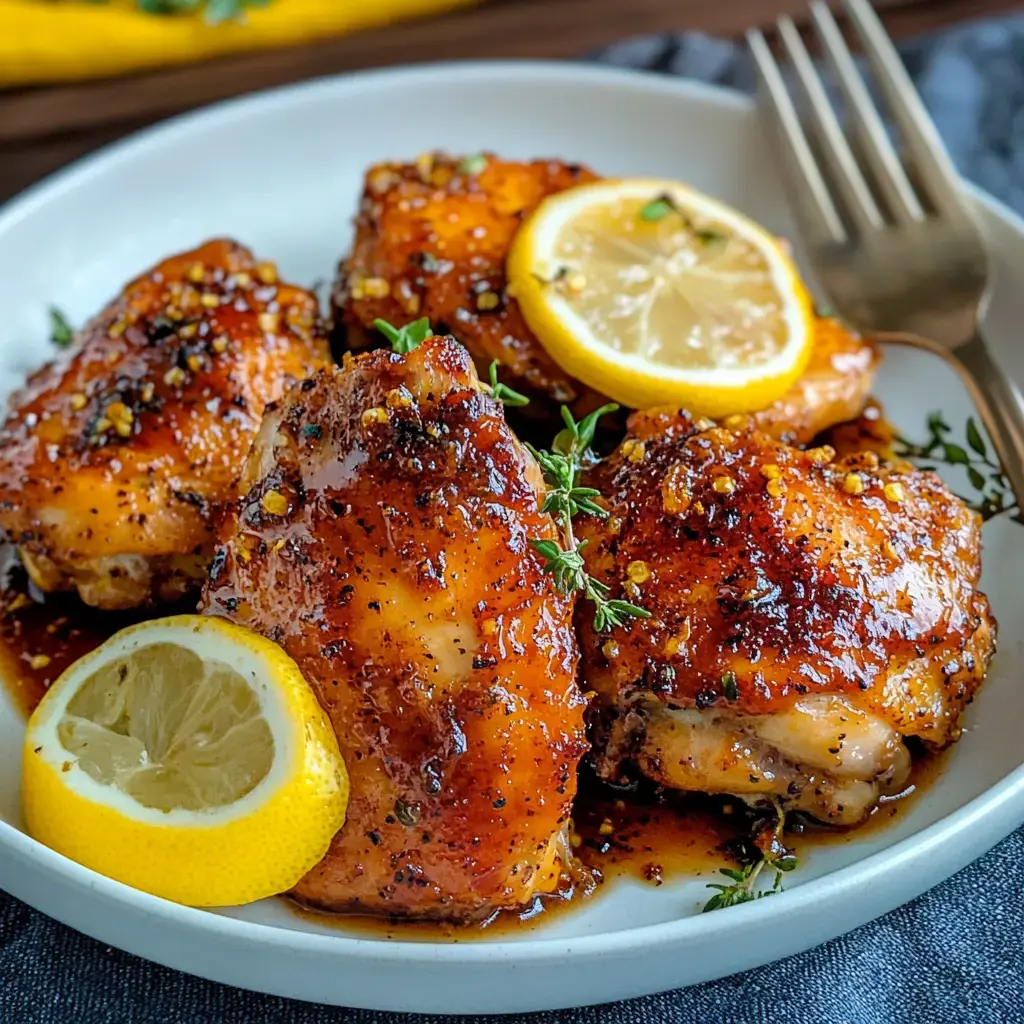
point(44, 128)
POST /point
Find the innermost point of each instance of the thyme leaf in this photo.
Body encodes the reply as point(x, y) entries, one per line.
point(473, 164)
point(743, 881)
point(563, 560)
point(404, 339)
point(656, 209)
point(502, 392)
point(61, 331)
point(661, 206)
point(992, 495)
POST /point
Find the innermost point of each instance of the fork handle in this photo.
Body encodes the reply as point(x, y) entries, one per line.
point(1000, 404)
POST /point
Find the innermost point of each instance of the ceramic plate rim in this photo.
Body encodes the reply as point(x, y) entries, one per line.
point(1007, 793)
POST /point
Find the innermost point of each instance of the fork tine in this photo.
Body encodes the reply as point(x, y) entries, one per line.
point(846, 174)
point(815, 204)
point(877, 148)
point(928, 154)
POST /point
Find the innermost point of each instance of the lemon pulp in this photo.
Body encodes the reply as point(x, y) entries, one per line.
point(169, 730)
point(680, 291)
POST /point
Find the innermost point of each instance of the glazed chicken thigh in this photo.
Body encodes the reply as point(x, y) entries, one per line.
point(116, 458)
point(832, 389)
point(431, 240)
point(383, 541)
point(808, 616)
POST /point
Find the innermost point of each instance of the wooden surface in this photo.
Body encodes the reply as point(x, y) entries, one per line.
point(44, 128)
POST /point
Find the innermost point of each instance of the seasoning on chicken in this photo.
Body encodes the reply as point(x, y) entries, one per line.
point(809, 616)
point(116, 457)
point(832, 389)
point(868, 432)
point(431, 240)
point(383, 541)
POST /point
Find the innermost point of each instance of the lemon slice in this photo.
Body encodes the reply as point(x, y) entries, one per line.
point(186, 757)
point(653, 293)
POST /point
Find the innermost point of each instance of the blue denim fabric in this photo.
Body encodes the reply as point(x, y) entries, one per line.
point(954, 956)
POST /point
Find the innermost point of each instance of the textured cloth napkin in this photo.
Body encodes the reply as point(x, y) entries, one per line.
point(954, 956)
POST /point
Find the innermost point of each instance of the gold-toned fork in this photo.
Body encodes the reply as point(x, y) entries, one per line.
point(890, 236)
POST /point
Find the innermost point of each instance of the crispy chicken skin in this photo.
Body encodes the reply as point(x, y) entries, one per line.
point(868, 432)
point(833, 389)
point(116, 457)
point(384, 542)
point(808, 616)
point(431, 240)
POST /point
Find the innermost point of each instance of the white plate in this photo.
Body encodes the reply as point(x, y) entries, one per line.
point(281, 172)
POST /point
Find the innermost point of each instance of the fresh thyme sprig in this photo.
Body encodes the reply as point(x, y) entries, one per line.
point(743, 880)
point(61, 331)
point(992, 491)
point(405, 339)
point(563, 560)
point(502, 392)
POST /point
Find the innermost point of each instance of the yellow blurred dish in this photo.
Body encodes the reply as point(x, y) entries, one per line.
point(69, 41)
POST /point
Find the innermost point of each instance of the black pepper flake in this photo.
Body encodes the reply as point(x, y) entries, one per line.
point(191, 498)
point(159, 328)
point(313, 431)
point(705, 699)
point(499, 803)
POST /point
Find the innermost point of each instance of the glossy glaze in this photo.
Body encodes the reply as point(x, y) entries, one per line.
point(384, 542)
point(433, 237)
point(811, 589)
point(868, 432)
point(116, 457)
point(832, 389)
point(780, 582)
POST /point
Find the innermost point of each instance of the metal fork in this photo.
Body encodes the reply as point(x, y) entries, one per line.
point(891, 240)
